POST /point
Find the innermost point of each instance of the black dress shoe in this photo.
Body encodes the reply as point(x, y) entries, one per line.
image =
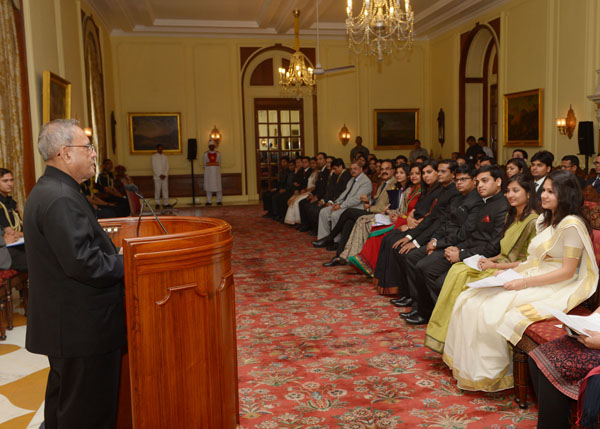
point(333, 246)
point(417, 319)
point(304, 228)
point(409, 314)
point(335, 262)
point(267, 215)
point(219, 203)
point(313, 233)
point(405, 301)
point(323, 242)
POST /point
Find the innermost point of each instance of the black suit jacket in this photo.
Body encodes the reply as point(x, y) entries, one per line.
point(321, 185)
point(339, 186)
point(75, 273)
point(423, 232)
point(485, 238)
point(540, 189)
point(461, 220)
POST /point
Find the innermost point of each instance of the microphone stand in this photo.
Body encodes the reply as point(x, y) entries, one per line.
point(137, 231)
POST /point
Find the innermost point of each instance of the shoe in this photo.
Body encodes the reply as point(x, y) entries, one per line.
point(303, 228)
point(417, 319)
point(408, 314)
point(332, 246)
point(168, 206)
point(335, 262)
point(208, 203)
point(313, 233)
point(405, 301)
point(219, 203)
point(267, 215)
point(323, 242)
point(157, 207)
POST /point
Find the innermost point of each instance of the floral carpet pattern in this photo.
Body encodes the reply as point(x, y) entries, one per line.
point(317, 348)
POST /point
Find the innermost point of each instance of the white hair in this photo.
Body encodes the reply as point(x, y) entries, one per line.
point(54, 135)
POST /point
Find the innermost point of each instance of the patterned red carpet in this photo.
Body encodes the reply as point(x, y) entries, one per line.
point(317, 348)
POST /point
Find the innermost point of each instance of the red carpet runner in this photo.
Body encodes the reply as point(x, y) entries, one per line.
point(317, 348)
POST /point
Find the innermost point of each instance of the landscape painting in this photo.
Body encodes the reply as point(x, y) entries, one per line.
point(147, 130)
point(396, 128)
point(523, 118)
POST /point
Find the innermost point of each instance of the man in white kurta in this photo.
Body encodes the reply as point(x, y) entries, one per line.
point(160, 170)
point(212, 173)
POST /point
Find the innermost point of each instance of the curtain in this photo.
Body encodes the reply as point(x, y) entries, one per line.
point(11, 121)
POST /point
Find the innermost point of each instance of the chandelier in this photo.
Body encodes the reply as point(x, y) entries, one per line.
point(298, 78)
point(380, 27)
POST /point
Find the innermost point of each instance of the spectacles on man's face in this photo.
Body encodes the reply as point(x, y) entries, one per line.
point(90, 147)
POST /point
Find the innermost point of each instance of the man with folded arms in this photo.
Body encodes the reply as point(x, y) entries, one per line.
point(75, 286)
point(427, 277)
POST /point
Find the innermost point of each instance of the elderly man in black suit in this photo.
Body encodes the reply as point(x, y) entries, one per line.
point(75, 286)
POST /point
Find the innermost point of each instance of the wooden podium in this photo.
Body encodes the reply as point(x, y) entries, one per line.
point(181, 366)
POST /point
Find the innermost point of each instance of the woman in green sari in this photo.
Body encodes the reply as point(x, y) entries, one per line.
point(519, 229)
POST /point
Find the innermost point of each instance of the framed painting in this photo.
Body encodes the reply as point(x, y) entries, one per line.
point(56, 97)
point(396, 128)
point(147, 130)
point(523, 118)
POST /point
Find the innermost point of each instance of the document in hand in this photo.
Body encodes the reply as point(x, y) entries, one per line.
point(499, 280)
point(381, 219)
point(473, 261)
point(577, 324)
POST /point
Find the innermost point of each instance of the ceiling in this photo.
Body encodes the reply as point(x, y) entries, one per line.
point(267, 18)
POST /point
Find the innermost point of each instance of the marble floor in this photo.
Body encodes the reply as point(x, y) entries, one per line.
point(22, 379)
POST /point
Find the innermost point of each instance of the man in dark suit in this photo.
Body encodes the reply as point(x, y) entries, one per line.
point(324, 165)
point(482, 238)
point(541, 165)
point(75, 286)
point(571, 164)
point(279, 188)
point(595, 181)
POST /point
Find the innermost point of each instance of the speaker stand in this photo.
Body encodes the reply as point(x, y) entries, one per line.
point(193, 184)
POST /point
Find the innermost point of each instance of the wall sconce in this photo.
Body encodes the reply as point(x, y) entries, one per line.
point(215, 134)
point(566, 126)
point(88, 131)
point(344, 135)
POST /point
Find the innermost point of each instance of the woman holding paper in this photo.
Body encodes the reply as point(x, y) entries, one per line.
point(560, 272)
point(519, 229)
point(560, 371)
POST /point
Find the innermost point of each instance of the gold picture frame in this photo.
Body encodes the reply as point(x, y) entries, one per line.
point(524, 118)
point(395, 128)
point(56, 97)
point(147, 130)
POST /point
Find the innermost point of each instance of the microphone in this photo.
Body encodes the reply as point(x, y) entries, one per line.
point(137, 231)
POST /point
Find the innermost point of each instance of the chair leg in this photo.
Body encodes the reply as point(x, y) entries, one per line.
point(521, 376)
point(3, 318)
point(9, 306)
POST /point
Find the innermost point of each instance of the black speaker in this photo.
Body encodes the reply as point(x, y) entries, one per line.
point(192, 149)
point(585, 135)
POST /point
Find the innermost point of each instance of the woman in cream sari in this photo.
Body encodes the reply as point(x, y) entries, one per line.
point(559, 273)
point(519, 229)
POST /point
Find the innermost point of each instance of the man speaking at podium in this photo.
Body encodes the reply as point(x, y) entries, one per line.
point(75, 286)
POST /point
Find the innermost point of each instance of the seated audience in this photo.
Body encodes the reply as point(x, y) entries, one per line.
point(486, 160)
point(292, 216)
point(516, 166)
point(421, 159)
point(350, 198)
point(401, 159)
point(103, 209)
point(486, 149)
point(461, 159)
point(294, 182)
point(571, 163)
point(519, 229)
point(595, 181)
point(11, 226)
point(279, 188)
point(560, 272)
point(560, 371)
point(313, 198)
point(389, 274)
point(123, 181)
point(364, 224)
point(105, 184)
point(541, 165)
point(410, 210)
point(377, 204)
point(473, 151)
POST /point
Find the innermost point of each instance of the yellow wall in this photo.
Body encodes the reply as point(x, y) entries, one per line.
point(548, 44)
point(54, 42)
point(202, 79)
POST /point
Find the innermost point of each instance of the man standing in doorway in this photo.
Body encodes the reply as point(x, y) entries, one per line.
point(212, 173)
point(160, 169)
point(75, 286)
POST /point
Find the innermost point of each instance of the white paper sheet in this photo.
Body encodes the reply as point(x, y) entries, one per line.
point(499, 280)
point(577, 324)
point(381, 219)
point(17, 243)
point(473, 261)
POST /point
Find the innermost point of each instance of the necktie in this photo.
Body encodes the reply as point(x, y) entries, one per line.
point(349, 190)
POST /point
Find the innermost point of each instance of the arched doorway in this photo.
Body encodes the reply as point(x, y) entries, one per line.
point(478, 84)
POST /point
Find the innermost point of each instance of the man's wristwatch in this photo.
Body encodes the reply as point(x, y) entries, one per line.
point(434, 244)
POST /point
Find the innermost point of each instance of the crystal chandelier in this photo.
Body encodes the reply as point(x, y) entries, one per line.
point(380, 27)
point(298, 78)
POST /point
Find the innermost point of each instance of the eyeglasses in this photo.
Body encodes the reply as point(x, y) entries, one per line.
point(90, 147)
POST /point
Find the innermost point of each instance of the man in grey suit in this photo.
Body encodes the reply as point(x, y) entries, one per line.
point(358, 185)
